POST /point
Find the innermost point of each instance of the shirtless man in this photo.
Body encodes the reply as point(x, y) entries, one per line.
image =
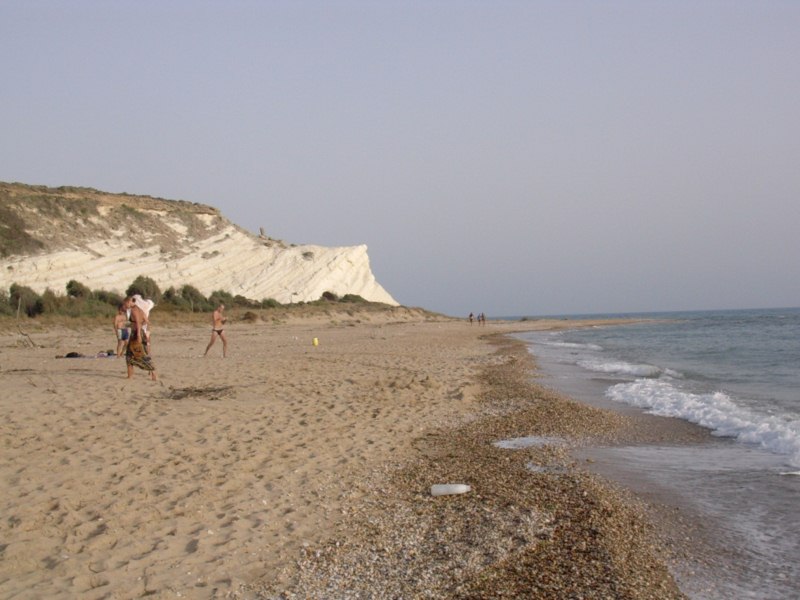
point(217, 323)
point(121, 330)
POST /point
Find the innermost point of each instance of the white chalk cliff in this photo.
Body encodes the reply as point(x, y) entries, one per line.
point(50, 236)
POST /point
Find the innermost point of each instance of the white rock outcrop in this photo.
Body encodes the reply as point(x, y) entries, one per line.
point(108, 246)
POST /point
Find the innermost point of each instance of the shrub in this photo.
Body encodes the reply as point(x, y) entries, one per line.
point(355, 298)
point(110, 298)
point(270, 303)
point(90, 307)
point(51, 303)
point(329, 296)
point(94, 306)
point(146, 287)
point(171, 296)
point(220, 297)
point(172, 299)
point(241, 301)
point(197, 302)
point(76, 289)
point(25, 299)
point(5, 304)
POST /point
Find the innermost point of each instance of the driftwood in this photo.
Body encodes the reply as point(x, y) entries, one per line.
point(26, 339)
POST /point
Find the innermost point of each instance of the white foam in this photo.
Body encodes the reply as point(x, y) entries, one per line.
point(527, 442)
point(620, 368)
point(715, 411)
point(574, 346)
point(672, 373)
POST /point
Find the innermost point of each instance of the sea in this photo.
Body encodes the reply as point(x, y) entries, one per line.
point(735, 373)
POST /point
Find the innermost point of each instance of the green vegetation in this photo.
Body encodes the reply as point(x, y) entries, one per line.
point(75, 289)
point(36, 219)
point(80, 301)
point(146, 288)
point(352, 298)
point(25, 299)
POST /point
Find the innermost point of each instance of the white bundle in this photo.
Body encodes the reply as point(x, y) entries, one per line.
point(144, 303)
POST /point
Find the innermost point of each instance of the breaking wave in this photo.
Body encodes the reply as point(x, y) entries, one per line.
point(716, 411)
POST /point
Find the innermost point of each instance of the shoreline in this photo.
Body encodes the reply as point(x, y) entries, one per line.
point(551, 532)
point(238, 477)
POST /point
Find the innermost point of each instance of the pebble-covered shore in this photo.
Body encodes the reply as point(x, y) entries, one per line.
point(534, 524)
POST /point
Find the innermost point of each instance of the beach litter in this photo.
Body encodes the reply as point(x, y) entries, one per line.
point(446, 489)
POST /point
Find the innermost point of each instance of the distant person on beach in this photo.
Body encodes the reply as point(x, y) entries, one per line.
point(471, 318)
point(136, 355)
point(121, 329)
point(217, 329)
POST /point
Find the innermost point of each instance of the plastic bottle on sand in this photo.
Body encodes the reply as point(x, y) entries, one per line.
point(444, 489)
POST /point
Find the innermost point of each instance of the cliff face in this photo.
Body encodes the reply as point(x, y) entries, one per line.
point(49, 236)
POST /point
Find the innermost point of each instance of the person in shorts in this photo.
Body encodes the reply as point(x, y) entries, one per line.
point(122, 330)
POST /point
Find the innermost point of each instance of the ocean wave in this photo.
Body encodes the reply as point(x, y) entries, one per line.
point(620, 368)
point(715, 411)
point(672, 373)
point(574, 346)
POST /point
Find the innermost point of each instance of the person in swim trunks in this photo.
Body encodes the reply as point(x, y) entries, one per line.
point(122, 330)
point(217, 324)
point(136, 355)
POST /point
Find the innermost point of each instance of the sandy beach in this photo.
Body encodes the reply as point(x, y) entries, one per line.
point(289, 470)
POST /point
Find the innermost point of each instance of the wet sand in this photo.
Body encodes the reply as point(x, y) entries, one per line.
point(293, 470)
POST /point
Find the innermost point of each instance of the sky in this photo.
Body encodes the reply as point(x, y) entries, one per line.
point(507, 157)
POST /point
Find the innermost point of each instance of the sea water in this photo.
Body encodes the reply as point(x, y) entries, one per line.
point(735, 373)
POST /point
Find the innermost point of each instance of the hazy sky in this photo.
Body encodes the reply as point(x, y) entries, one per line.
point(517, 158)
